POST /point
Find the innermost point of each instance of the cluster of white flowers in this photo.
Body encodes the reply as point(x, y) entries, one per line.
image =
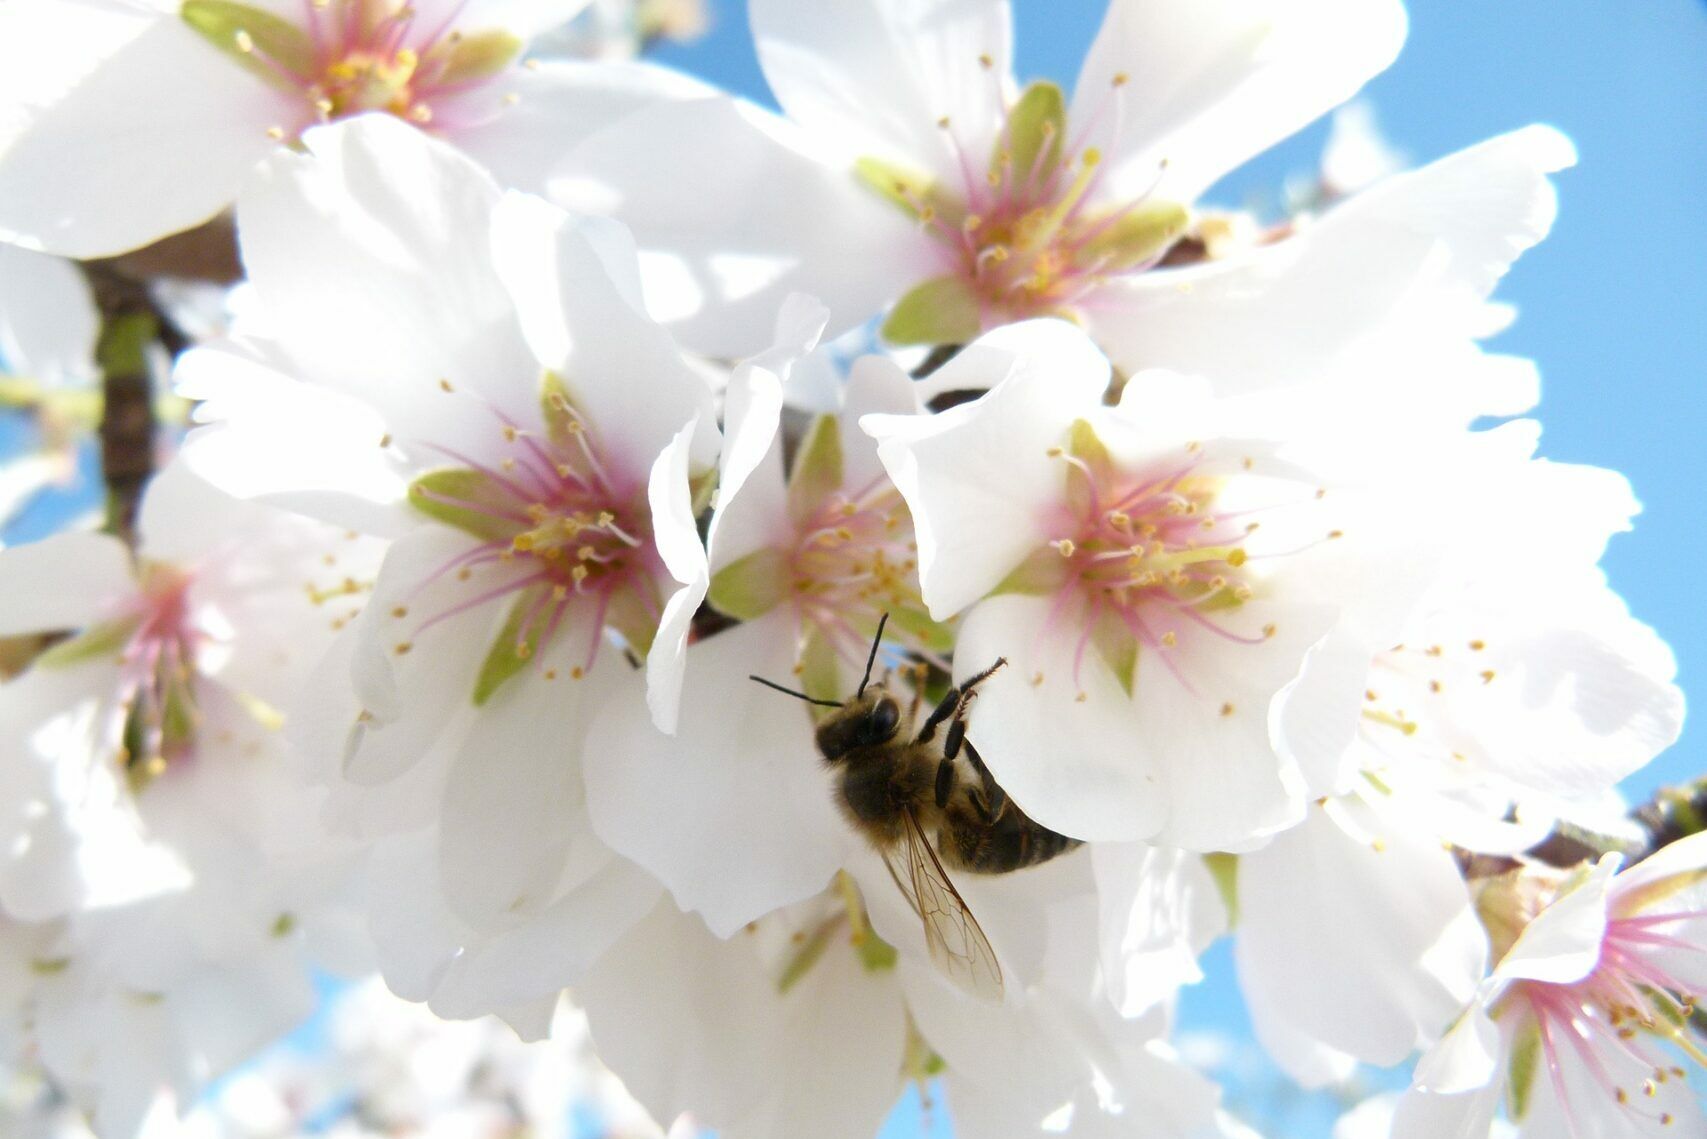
point(562, 394)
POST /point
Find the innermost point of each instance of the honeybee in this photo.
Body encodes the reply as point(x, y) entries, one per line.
point(899, 788)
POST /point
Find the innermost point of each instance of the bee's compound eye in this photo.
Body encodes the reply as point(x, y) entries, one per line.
point(885, 718)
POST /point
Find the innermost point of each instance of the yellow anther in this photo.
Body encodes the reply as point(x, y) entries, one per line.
point(1236, 557)
point(579, 574)
point(402, 648)
point(1487, 675)
point(245, 42)
point(986, 62)
point(1336, 533)
point(1478, 646)
point(1064, 547)
point(1169, 639)
point(1091, 157)
point(577, 672)
point(400, 611)
point(1226, 709)
point(1120, 79)
point(276, 133)
point(523, 650)
point(445, 386)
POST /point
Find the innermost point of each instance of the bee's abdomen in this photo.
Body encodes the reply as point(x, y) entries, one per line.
point(1012, 842)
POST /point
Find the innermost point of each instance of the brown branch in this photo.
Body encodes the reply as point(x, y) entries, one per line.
point(129, 328)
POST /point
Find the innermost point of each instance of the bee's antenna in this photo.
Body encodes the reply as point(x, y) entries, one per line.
point(792, 692)
point(872, 659)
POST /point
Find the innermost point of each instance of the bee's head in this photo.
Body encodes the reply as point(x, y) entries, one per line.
point(869, 719)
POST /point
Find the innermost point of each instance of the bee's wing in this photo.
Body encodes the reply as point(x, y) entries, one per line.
point(957, 944)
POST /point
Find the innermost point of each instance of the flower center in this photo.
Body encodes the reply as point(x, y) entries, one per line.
point(855, 560)
point(157, 674)
point(1632, 1005)
point(1143, 558)
point(570, 536)
point(345, 57)
point(1027, 233)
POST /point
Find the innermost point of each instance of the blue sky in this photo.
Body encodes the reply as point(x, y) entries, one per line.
point(1610, 305)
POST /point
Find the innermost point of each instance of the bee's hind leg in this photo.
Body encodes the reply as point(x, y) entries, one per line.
point(994, 797)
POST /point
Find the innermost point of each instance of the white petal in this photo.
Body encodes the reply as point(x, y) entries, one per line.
point(691, 1022)
point(1160, 909)
point(1427, 1115)
point(977, 476)
point(752, 231)
point(408, 695)
point(65, 581)
point(1562, 943)
point(623, 370)
point(558, 104)
point(48, 321)
point(512, 787)
point(370, 256)
point(873, 80)
point(1049, 750)
point(684, 809)
point(251, 444)
point(1208, 86)
point(535, 960)
point(1430, 244)
point(677, 539)
point(1367, 949)
point(752, 509)
point(876, 385)
point(1466, 1058)
point(157, 138)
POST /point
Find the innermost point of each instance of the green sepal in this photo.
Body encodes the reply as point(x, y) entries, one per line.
point(877, 955)
point(750, 587)
point(1035, 126)
point(634, 620)
point(1043, 572)
point(942, 310)
point(225, 24)
point(906, 188)
point(1118, 649)
point(820, 675)
point(104, 640)
point(481, 55)
point(1520, 1072)
point(701, 489)
point(1083, 444)
point(928, 634)
point(817, 470)
point(1140, 235)
point(806, 956)
point(441, 494)
point(1224, 869)
point(502, 659)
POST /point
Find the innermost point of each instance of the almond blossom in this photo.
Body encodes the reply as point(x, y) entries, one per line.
point(967, 201)
point(811, 1019)
point(535, 444)
point(152, 815)
point(124, 123)
point(1583, 1027)
point(1156, 583)
point(811, 565)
